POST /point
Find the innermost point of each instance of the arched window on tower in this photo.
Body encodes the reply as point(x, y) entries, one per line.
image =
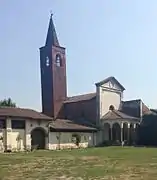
point(58, 60)
point(111, 108)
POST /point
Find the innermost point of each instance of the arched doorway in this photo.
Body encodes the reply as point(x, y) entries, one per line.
point(116, 132)
point(38, 138)
point(107, 132)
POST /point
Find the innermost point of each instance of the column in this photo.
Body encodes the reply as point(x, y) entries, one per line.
point(122, 134)
point(8, 142)
point(128, 139)
point(28, 139)
point(134, 134)
point(47, 138)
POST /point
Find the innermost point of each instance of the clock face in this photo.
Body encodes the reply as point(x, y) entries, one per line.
point(47, 61)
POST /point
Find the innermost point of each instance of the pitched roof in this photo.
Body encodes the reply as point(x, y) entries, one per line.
point(115, 114)
point(154, 111)
point(68, 125)
point(22, 113)
point(133, 102)
point(51, 39)
point(111, 78)
point(133, 107)
point(82, 97)
point(83, 121)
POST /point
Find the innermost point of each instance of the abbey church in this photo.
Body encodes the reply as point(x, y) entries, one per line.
point(85, 120)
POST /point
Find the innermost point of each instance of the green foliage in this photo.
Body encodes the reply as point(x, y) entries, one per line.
point(7, 103)
point(147, 132)
point(76, 138)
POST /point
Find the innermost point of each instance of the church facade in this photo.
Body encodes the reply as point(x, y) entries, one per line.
point(85, 120)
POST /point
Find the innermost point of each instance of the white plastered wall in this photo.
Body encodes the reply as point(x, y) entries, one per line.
point(63, 140)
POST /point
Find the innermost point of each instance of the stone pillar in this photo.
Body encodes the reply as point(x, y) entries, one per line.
point(8, 143)
point(122, 133)
point(28, 136)
point(128, 139)
point(47, 139)
point(134, 134)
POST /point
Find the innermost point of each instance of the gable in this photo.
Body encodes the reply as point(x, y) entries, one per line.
point(111, 83)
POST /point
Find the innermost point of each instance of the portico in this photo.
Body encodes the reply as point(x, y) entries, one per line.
point(119, 127)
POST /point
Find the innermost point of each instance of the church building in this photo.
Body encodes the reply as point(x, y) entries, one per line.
point(86, 120)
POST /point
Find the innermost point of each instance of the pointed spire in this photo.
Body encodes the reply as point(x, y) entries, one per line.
point(51, 39)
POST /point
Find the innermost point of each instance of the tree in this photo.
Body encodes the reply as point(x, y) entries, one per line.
point(7, 103)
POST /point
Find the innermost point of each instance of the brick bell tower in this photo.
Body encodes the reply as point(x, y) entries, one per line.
point(53, 74)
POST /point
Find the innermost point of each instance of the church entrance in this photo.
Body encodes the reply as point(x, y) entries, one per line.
point(38, 138)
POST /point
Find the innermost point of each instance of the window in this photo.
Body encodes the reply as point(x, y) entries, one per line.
point(18, 124)
point(111, 108)
point(2, 124)
point(58, 60)
point(47, 61)
point(85, 138)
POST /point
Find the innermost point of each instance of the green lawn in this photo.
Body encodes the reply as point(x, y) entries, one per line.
point(110, 163)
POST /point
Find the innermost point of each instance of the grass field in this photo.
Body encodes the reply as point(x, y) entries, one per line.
point(110, 163)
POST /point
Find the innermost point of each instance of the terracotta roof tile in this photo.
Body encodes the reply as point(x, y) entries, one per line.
point(115, 114)
point(63, 124)
point(82, 97)
point(22, 113)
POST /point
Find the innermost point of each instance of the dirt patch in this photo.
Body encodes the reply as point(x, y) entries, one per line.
point(89, 158)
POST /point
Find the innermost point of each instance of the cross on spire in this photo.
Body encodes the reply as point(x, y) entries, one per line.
point(51, 14)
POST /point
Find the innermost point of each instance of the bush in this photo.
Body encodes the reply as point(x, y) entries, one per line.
point(76, 138)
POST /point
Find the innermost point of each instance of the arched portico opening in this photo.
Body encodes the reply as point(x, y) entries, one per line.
point(107, 132)
point(131, 133)
point(125, 132)
point(136, 128)
point(116, 132)
point(38, 136)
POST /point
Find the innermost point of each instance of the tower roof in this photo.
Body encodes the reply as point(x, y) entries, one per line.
point(51, 39)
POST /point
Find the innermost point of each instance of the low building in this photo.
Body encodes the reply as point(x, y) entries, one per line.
point(25, 129)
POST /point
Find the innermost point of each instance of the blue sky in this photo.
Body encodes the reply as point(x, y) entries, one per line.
point(102, 38)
